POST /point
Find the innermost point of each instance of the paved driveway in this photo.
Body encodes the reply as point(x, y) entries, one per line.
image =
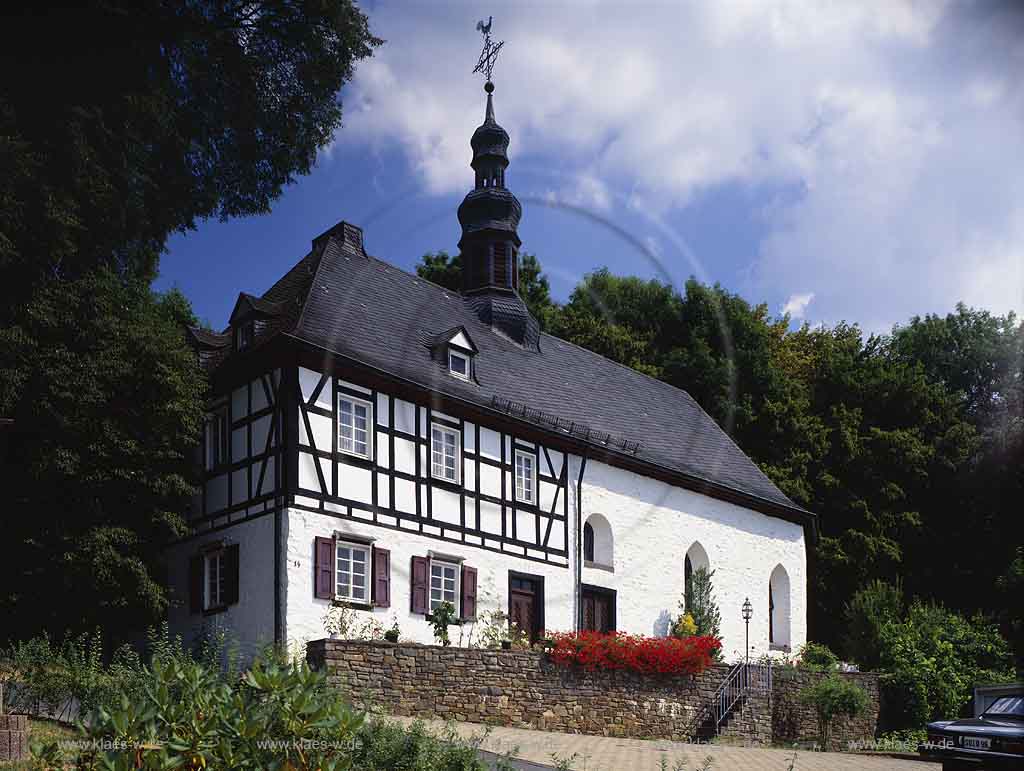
point(601, 753)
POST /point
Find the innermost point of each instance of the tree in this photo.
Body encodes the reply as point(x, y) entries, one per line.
point(122, 122)
point(446, 270)
point(702, 607)
point(933, 658)
point(107, 401)
point(443, 269)
point(535, 289)
point(877, 604)
point(1011, 588)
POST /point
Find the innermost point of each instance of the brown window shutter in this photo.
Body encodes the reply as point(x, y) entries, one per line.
point(324, 569)
point(195, 583)
point(231, 574)
point(419, 585)
point(381, 578)
point(468, 592)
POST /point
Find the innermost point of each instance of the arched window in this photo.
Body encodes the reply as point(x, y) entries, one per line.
point(597, 542)
point(687, 582)
point(778, 609)
point(588, 542)
point(695, 559)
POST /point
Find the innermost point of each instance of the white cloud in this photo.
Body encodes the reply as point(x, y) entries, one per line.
point(797, 304)
point(584, 190)
point(900, 127)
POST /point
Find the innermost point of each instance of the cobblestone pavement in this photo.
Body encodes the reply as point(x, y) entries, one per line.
point(603, 753)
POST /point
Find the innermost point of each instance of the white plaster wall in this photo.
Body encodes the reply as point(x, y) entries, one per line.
point(304, 613)
point(654, 524)
point(251, 619)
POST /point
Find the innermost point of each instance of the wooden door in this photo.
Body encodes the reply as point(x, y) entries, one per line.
point(524, 600)
point(598, 611)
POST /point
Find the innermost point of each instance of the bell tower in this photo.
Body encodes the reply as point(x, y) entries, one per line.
point(489, 216)
point(490, 213)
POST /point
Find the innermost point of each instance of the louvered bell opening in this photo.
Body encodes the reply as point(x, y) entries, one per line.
point(502, 273)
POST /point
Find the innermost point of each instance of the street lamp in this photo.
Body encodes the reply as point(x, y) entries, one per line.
point(748, 611)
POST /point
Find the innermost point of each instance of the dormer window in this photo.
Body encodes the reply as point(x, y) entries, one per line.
point(244, 336)
point(458, 364)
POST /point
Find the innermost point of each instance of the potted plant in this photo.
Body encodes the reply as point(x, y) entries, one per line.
point(391, 635)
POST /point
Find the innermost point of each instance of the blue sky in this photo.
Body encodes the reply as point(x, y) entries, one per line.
point(836, 161)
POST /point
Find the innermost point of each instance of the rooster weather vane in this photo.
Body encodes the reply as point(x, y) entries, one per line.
point(489, 54)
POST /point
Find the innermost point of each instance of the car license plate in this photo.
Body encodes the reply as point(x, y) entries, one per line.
point(977, 743)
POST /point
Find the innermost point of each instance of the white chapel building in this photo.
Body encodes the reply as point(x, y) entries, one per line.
point(377, 440)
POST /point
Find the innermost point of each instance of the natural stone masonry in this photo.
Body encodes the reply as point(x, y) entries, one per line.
point(525, 689)
point(794, 721)
point(13, 737)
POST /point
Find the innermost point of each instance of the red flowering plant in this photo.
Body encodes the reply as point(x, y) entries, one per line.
point(618, 650)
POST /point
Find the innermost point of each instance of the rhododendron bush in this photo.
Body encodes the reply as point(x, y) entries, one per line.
point(618, 650)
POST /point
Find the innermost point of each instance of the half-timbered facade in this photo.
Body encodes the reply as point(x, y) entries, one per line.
point(383, 442)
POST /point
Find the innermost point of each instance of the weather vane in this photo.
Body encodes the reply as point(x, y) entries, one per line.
point(489, 54)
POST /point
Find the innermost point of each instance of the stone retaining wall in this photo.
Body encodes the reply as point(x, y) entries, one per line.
point(793, 721)
point(525, 689)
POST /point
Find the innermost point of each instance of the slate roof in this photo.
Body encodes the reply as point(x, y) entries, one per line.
point(349, 303)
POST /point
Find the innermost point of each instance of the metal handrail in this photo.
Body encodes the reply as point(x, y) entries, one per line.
point(741, 680)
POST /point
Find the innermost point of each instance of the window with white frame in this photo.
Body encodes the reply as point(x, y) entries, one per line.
point(351, 576)
point(354, 426)
point(445, 446)
point(444, 584)
point(214, 579)
point(218, 437)
point(458, 364)
point(526, 476)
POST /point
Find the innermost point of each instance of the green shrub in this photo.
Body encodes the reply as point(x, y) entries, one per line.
point(189, 715)
point(834, 697)
point(870, 609)
point(54, 678)
point(933, 659)
point(440, 618)
point(816, 657)
point(383, 745)
point(684, 627)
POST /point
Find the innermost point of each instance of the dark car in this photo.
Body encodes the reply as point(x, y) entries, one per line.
point(995, 740)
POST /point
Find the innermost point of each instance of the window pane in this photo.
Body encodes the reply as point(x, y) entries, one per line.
point(353, 427)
